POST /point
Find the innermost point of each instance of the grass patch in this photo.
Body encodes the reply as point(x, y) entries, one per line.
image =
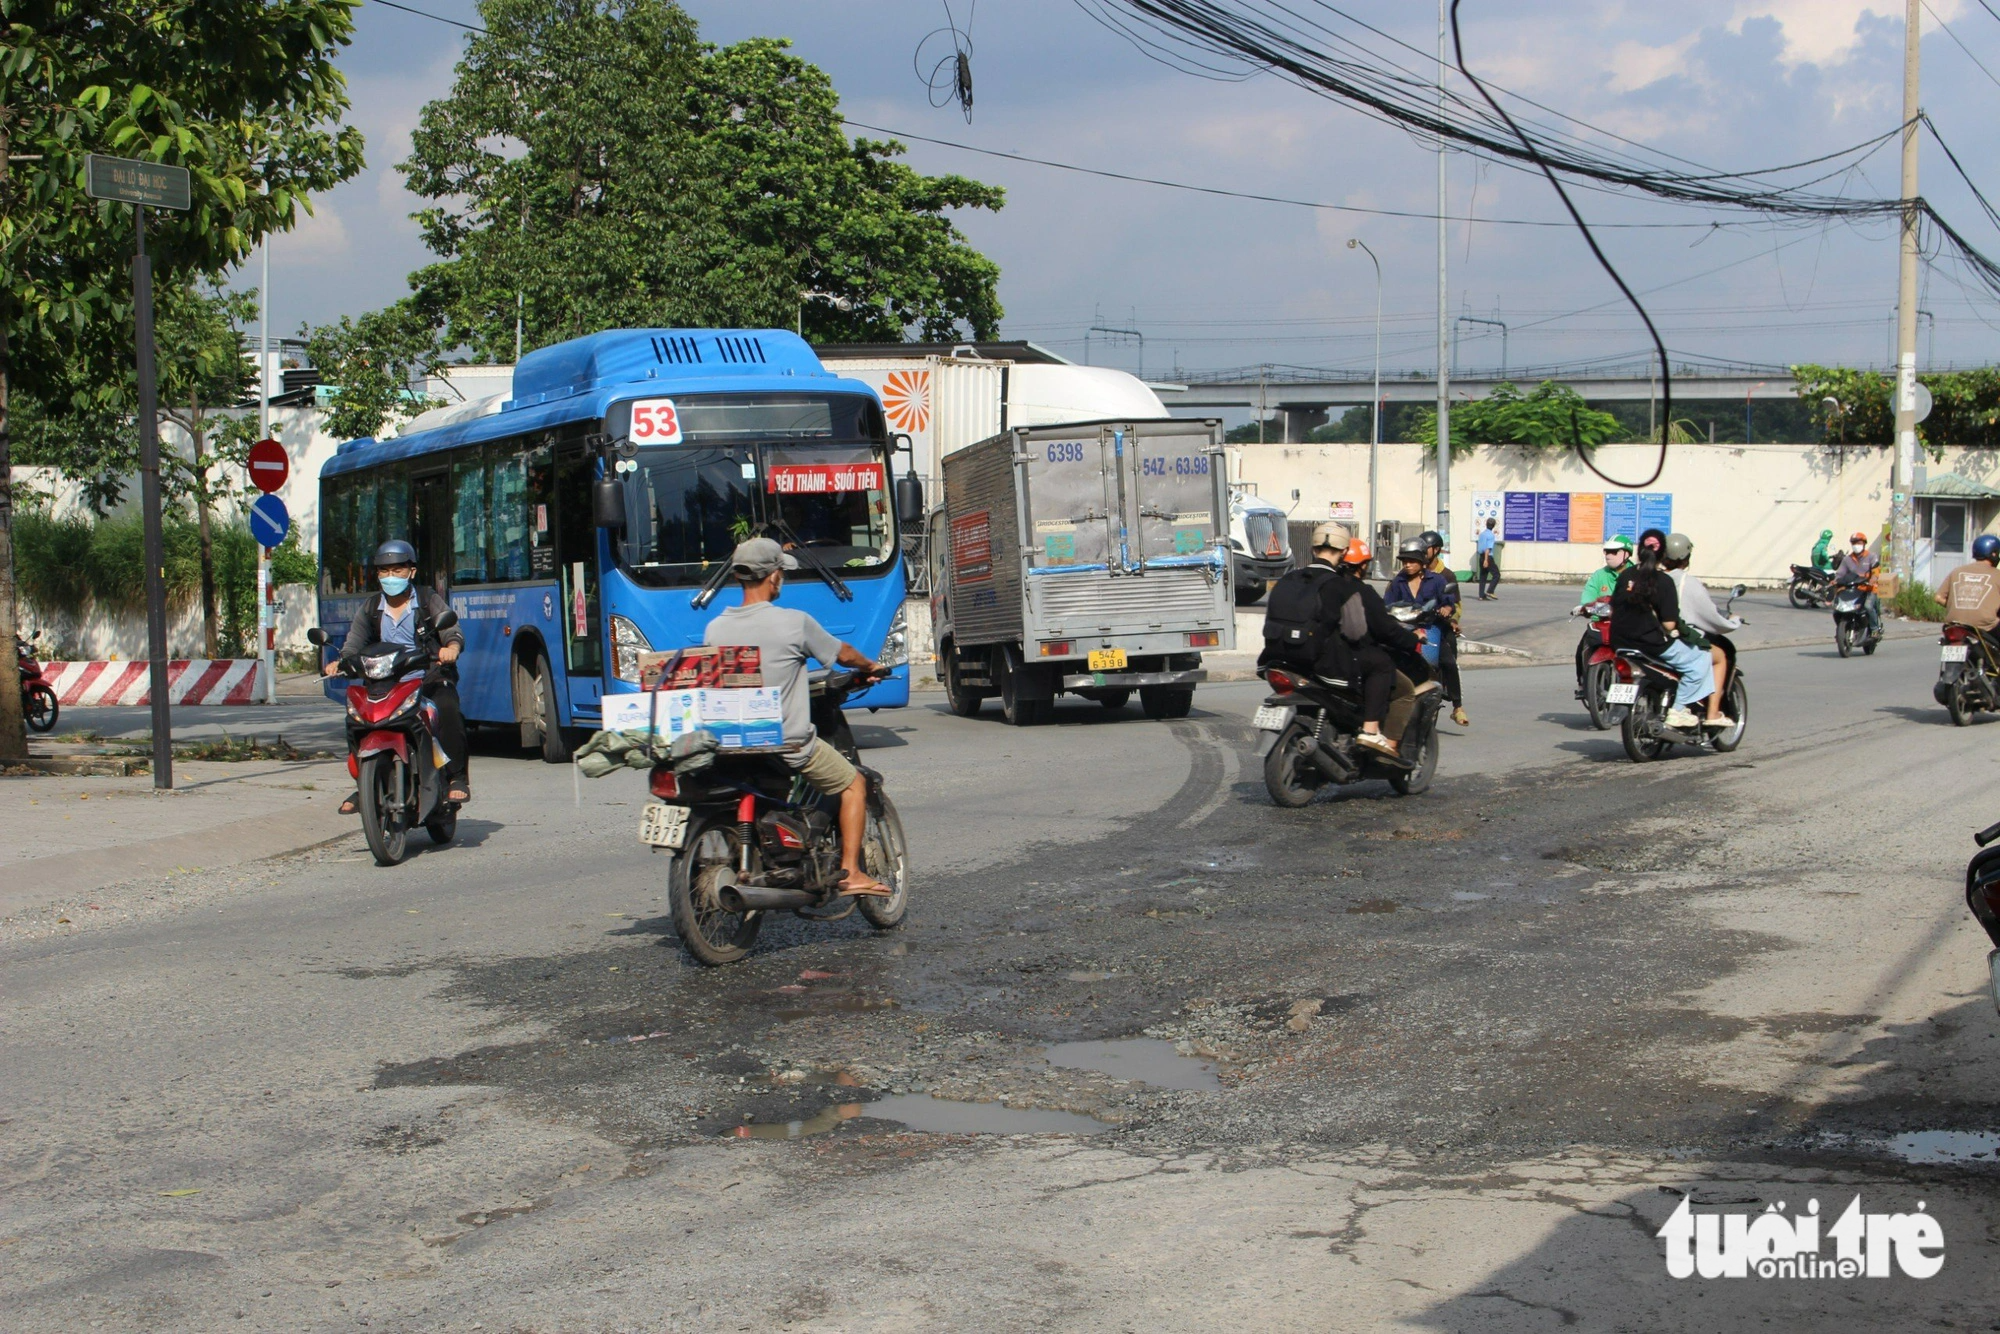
point(1916, 602)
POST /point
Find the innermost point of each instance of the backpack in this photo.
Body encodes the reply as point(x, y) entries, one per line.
point(1295, 619)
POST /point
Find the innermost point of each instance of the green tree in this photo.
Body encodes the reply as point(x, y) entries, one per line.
point(596, 166)
point(371, 362)
point(243, 93)
point(1551, 417)
point(1965, 406)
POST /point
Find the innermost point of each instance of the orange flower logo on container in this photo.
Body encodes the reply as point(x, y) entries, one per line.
point(907, 400)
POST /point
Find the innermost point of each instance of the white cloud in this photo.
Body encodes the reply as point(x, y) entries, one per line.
point(320, 235)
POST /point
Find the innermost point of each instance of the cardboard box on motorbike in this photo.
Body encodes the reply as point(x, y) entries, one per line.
point(720, 690)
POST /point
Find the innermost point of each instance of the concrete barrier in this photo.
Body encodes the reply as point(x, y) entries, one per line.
point(103, 684)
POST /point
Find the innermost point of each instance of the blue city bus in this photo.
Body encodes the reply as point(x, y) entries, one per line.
point(575, 524)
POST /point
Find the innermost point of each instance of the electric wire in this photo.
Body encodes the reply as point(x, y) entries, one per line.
point(1961, 45)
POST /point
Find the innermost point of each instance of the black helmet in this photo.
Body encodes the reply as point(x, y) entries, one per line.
point(395, 552)
point(1431, 537)
point(1413, 548)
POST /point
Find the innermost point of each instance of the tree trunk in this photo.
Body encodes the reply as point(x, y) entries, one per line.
point(13, 732)
point(210, 636)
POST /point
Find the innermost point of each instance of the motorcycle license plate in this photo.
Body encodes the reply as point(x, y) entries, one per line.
point(1271, 718)
point(1107, 659)
point(663, 826)
point(1625, 692)
point(1953, 653)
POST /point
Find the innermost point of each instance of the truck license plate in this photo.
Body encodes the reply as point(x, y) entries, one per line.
point(1953, 653)
point(1107, 659)
point(1271, 718)
point(1625, 692)
point(663, 826)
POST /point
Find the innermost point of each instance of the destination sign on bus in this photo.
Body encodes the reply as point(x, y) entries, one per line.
point(655, 421)
point(819, 479)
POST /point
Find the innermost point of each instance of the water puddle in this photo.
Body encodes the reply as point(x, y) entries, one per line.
point(1149, 1060)
point(920, 1111)
point(1946, 1146)
point(818, 1123)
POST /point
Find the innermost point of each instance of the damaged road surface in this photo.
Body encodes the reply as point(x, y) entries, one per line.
point(1149, 1052)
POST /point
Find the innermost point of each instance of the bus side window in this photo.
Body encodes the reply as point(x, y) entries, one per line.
point(511, 517)
point(468, 519)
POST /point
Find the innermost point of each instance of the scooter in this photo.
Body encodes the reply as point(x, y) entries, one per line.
point(749, 836)
point(1982, 895)
point(1310, 723)
point(39, 706)
point(393, 750)
point(1967, 674)
point(1810, 587)
point(1850, 621)
point(1646, 685)
point(1600, 670)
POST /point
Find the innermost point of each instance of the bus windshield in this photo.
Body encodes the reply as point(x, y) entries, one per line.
point(777, 468)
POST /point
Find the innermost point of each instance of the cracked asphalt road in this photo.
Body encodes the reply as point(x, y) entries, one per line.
point(1471, 1047)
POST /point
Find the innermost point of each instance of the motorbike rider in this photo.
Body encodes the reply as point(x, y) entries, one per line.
point(404, 615)
point(1416, 583)
point(1645, 615)
point(1821, 561)
point(1318, 597)
point(1971, 593)
point(1617, 551)
point(786, 638)
point(1700, 615)
point(1857, 569)
point(1448, 624)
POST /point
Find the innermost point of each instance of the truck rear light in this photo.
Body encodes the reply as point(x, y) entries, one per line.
point(664, 785)
point(1204, 639)
point(1057, 648)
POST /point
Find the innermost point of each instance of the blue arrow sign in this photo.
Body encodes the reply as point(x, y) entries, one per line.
point(269, 520)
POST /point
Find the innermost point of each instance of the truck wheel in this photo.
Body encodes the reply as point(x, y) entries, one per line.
point(1114, 699)
point(1249, 595)
point(964, 699)
point(1017, 711)
point(1166, 701)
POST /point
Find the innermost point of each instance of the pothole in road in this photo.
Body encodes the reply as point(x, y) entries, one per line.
point(1149, 1060)
point(1946, 1146)
point(928, 1115)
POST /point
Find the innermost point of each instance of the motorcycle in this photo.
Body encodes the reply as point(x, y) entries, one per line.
point(1810, 587)
point(749, 836)
point(1646, 686)
point(1311, 723)
point(1982, 895)
point(393, 750)
point(1600, 670)
point(1967, 674)
point(39, 706)
point(1850, 621)
point(1420, 619)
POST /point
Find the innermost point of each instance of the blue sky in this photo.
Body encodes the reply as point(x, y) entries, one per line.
point(1217, 283)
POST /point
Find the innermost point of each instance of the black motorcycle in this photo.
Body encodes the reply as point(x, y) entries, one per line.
point(1968, 681)
point(1810, 587)
point(749, 836)
point(393, 751)
point(1311, 723)
point(1982, 895)
point(1647, 685)
point(1850, 621)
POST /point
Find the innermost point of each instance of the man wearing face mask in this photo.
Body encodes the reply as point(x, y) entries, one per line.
point(1857, 570)
point(400, 614)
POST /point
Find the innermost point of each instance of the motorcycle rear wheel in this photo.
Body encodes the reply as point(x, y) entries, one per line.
point(1422, 769)
point(1289, 778)
point(1645, 714)
point(443, 825)
point(711, 933)
point(40, 708)
point(885, 855)
point(384, 822)
point(1957, 704)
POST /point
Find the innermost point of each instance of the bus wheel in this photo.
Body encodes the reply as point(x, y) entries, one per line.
point(555, 748)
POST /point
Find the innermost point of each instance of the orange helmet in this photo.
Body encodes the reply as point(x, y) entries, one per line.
point(1357, 553)
point(1859, 537)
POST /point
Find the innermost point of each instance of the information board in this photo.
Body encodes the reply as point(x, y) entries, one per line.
point(1552, 516)
point(1586, 516)
point(1621, 514)
point(1486, 505)
point(1517, 520)
point(1656, 510)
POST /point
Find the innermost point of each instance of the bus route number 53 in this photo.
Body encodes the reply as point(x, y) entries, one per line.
point(654, 422)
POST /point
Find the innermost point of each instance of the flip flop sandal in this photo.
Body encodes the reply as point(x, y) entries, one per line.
point(878, 890)
point(352, 806)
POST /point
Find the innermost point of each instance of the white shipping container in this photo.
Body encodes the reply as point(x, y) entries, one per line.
point(942, 403)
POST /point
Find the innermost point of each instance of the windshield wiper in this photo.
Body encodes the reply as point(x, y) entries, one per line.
point(712, 585)
point(811, 558)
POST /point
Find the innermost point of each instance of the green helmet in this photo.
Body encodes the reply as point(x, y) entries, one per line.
point(1826, 535)
point(1619, 543)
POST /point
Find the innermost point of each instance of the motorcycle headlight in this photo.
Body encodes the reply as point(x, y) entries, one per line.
point(378, 667)
point(896, 643)
point(626, 646)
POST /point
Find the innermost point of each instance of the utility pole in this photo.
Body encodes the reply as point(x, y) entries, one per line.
point(1444, 372)
point(1902, 553)
point(266, 619)
point(1375, 404)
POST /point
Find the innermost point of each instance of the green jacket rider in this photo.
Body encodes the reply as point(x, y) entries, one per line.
point(1820, 559)
point(1616, 552)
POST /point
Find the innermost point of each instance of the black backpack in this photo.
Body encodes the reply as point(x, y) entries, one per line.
point(1295, 617)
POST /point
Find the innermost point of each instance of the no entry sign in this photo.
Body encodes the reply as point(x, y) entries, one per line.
point(268, 466)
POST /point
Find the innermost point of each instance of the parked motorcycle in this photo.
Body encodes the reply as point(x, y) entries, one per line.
point(1810, 587)
point(39, 706)
point(1600, 669)
point(1850, 621)
point(1968, 675)
point(749, 836)
point(393, 749)
point(1311, 724)
point(1646, 686)
point(1982, 895)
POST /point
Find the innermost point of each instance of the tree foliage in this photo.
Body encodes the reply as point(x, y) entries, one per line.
point(1965, 406)
point(596, 166)
point(1551, 417)
point(371, 362)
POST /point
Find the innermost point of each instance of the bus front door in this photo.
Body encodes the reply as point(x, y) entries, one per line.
point(430, 533)
point(576, 570)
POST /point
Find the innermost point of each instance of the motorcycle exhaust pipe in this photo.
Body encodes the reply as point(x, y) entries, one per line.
point(762, 898)
point(1330, 766)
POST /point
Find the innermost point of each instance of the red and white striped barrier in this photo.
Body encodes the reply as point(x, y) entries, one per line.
point(189, 681)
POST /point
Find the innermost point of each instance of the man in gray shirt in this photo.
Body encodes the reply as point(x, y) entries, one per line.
point(786, 639)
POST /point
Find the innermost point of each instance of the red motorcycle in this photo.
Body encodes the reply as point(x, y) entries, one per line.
point(1599, 667)
point(39, 707)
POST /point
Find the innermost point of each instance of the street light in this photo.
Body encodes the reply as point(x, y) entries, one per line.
point(834, 299)
point(1375, 404)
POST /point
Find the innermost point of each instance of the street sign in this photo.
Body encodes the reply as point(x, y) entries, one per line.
point(268, 466)
point(150, 183)
point(269, 520)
